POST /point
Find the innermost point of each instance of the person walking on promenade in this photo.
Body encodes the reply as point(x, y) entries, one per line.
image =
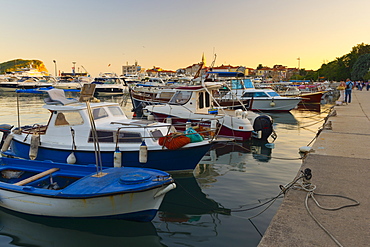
point(348, 91)
point(341, 88)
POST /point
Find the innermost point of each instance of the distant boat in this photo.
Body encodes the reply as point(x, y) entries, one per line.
point(69, 82)
point(309, 93)
point(70, 191)
point(109, 84)
point(240, 92)
point(26, 82)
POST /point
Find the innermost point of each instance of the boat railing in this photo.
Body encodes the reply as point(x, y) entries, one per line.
point(35, 129)
point(203, 127)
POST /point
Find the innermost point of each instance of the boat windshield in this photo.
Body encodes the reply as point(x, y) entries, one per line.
point(180, 97)
point(68, 118)
point(255, 94)
point(99, 113)
point(273, 94)
point(115, 110)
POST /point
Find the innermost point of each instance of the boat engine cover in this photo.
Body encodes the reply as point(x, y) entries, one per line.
point(264, 124)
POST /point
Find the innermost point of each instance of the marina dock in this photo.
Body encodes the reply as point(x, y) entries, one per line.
point(339, 165)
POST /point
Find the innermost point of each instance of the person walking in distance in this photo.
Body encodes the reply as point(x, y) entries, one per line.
point(348, 91)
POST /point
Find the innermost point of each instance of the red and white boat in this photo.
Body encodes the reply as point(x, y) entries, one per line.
point(196, 104)
point(308, 93)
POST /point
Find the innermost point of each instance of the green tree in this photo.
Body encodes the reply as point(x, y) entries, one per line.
point(342, 67)
point(361, 67)
point(260, 66)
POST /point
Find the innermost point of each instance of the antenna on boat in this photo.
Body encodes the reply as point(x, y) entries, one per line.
point(18, 115)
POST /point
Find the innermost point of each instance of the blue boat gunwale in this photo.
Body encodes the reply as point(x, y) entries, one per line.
point(183, 167)
point(75, 171)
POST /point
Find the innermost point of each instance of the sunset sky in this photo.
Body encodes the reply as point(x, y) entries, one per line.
point(174, 34)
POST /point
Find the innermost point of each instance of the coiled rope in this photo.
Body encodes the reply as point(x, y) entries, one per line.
point(303, 183)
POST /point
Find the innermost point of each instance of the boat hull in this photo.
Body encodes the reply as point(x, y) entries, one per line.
point(223, 132)
point(12, 87)
point(71, 191)
point(139, 206)
point(312, 97)
point(274, 105)
point(183, 159)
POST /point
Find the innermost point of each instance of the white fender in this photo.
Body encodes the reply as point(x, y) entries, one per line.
point(187, 124)
point(117, 158)
point(71, 159)
point(7, 142)
point(34, 146)
point(165, 190)
point(143, 153)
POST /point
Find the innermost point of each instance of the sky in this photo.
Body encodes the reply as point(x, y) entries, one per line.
point(104, 35)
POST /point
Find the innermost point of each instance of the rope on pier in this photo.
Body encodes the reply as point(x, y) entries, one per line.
point(309, 188)
point(303, 183)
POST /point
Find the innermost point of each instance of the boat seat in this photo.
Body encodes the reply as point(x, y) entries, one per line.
point(57, 96)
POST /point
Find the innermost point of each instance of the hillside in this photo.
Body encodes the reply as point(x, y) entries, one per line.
point(18, 64)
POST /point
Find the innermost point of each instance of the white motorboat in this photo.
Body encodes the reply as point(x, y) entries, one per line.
point(196, 104)
point(109, 84)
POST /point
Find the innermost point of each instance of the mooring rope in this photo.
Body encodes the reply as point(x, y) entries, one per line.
point(302, 182)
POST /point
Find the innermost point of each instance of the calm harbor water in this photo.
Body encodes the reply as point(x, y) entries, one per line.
point(209, 207)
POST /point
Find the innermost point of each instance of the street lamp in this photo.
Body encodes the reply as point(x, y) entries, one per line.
point(73, 68)
point(55, 67)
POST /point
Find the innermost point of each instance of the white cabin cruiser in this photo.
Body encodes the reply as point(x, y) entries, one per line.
point(196, 104)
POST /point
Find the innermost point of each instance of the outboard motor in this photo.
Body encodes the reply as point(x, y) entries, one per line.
point(262, 127)
point(6, 129)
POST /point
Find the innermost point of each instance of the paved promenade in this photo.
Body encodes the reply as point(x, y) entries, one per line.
point(340, 165)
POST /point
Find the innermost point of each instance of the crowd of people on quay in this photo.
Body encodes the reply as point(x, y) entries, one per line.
point(345, 89)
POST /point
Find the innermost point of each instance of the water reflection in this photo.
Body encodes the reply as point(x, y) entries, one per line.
point(187, 214)
point(187, 202)
point(309, 107)
point(237, 153)
point(26, 230)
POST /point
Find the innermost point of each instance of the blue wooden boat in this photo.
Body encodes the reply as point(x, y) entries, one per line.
point(81, 191)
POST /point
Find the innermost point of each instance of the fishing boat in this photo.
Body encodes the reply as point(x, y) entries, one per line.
point(62, 190)
point(76, 127)
point(196, 106)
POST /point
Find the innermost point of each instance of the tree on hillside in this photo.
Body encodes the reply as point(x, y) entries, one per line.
point(361, 67)
point(17, 64)
point(260, 66)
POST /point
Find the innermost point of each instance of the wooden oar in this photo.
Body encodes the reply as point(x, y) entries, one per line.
point(37, 176)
